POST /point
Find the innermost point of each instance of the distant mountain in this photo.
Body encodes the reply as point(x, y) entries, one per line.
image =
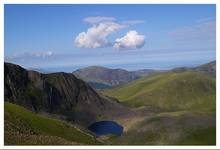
point(101, 77)
point(39, 70)
point(98, 85)
point(106, 76)
point(207, 69)
point(145, 72)
point(57, 93)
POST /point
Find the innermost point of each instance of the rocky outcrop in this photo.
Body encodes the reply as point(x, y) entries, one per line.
point(57, 93)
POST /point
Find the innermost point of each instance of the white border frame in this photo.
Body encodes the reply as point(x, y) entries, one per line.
point(2, 2)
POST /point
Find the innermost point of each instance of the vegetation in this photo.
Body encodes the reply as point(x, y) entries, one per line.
point(23, 127)
point(170, 91)
point(171, 128)
point(187, 109)
point(180, 109)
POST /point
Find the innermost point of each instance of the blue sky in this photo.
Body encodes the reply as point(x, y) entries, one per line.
point(68, 37)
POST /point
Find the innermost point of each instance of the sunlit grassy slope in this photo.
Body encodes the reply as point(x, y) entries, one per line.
point(187, 102)
point(23, 127)
point(171, 90)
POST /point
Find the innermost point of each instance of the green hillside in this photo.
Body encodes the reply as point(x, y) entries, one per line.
point(170, 90)
point(23, 127)
point(172, 128)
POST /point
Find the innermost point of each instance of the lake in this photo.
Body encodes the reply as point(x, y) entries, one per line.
point(105, 128)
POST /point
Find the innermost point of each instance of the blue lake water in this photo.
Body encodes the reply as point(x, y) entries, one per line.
point(106, 128)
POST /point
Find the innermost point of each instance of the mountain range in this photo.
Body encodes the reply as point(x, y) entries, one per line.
point(175, 107)
point(101, 77)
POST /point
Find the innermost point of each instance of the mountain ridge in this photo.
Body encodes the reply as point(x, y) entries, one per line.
point(99, 76)
point(58, 93)
point(169, 90)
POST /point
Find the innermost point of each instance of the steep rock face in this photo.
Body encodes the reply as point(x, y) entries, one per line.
point(58, 93)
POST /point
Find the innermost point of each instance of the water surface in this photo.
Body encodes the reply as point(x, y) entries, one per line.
point(106, 128)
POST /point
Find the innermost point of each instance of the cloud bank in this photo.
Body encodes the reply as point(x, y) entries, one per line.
point(42, 55)
point(132, 40)
point(102, 27)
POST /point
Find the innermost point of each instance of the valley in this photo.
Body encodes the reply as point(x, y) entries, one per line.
point(175, 107)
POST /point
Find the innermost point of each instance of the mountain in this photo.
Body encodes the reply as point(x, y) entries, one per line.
point(176, 108)
point(102, 78)
point(186, 98)
point(106, 76)
point(208, 69)
point(169, 91)
point(57, 93)
point(44, 71)
point(146, 72)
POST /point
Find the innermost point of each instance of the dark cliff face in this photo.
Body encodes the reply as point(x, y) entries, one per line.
point(58, 93)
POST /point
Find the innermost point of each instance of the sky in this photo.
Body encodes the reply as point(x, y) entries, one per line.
point(132, 37)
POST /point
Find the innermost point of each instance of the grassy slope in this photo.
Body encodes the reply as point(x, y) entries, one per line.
point(191, 91)
point(188, 99)
point(174, 91)
point(172, 128)
point(23, 127)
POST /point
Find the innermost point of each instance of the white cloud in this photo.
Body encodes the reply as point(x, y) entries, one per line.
point(98, 19)
point(95, 37)
point(132, 40)
point(102, 27)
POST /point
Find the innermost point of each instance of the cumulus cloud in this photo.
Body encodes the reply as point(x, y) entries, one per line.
point(98, 19)
point(102, 27)
point(132, 40)
point(95, 37)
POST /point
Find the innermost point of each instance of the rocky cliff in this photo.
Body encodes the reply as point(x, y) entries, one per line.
point(57, 93)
